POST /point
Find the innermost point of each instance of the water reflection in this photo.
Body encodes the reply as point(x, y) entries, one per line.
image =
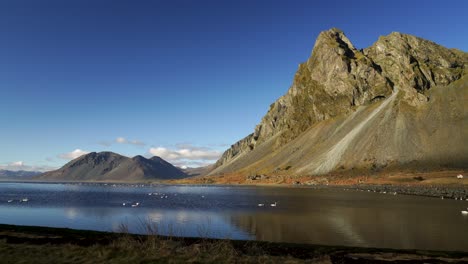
point(318, 216)
point(71, 213)
point(424, 224)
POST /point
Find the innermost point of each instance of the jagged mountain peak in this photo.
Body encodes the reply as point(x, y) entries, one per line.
point(339, 81)
point(334, 38)
point(416, 65)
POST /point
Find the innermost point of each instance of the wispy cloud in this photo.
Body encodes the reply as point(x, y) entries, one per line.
point(192, 163)
point(187, 155)
point(222, 145)
point(122, 140)
point(20, 165)
point(73, 155)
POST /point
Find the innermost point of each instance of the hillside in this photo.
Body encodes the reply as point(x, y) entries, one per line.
point(400, 103)
point(108, 166)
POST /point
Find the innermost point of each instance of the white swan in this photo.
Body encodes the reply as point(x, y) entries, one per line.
point(261, 204)
point(464, 212)
point(273, 204)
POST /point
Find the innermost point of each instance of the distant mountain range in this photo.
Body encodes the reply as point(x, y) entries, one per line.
point(19, 175)
point(109, 166)
point(401, 103)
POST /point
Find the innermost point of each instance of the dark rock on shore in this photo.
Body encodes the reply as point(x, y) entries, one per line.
point(447, 192)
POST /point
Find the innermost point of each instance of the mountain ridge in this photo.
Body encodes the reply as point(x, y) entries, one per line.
point(339, 82)
point(105, 166)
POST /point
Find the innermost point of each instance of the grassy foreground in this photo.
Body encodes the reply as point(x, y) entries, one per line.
point(26, 244)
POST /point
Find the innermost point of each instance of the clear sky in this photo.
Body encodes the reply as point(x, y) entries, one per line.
point(180, 79)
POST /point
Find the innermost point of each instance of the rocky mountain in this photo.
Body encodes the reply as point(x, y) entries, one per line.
point(8, 174)
point(399, 103)
point(109, 166)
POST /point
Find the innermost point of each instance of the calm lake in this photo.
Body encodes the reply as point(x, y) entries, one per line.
point(328, 216)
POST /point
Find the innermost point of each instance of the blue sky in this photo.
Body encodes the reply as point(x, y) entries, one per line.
point(181, 79)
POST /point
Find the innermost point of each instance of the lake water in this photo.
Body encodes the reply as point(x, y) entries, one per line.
point(328, 216)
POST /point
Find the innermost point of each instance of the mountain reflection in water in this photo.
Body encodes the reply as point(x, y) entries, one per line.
point(303, 215)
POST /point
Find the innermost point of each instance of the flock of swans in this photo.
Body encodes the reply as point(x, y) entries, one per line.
point(164, 196)
point(272, 205)
point(23, 200)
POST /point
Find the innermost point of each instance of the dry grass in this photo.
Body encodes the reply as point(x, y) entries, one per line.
point(54, 245)
point(443, 177)
point(129, 249)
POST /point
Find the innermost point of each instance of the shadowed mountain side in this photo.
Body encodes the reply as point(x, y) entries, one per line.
point(107, 166)
point(400, 103)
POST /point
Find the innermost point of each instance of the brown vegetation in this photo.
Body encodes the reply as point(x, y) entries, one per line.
point(443, 177)
point(57, 245)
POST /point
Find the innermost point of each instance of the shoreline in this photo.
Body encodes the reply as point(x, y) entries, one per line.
point(441, 191)
point(43, 239)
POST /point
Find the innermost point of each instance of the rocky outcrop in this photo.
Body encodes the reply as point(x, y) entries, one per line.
point(107, 166)
point(416, 65)
point(339, 80)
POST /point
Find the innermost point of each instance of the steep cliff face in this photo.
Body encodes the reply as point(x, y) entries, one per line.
point(339, 81)
point(336, 78)
point(416, 65)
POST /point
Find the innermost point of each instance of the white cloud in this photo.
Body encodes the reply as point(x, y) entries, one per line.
point(122, 140)
point(187, 155)
point(192, 163)
point(136, 142)
point(17, 164)
point(73, 155)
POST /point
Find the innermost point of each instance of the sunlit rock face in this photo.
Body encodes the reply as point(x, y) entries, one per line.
point(336, 91)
